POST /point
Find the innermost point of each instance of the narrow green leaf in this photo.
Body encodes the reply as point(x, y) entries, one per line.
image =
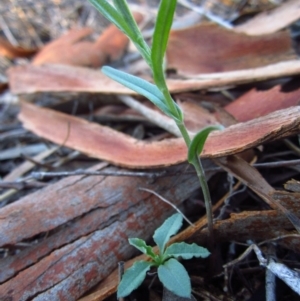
point(160, 37)
point(124, 20)
point(186, 251)
point(136, 36)
point(175, 278)
point(133, 277)
point(141, 245)
point(122, 7)
point(140, 86)
point(198, 141)
point(111, 14)
point(170, 227)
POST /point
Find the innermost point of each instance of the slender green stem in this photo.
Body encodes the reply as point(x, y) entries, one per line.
point(160, 81)
point(208, 205)
point(196, 161)
point(184, 134)
point(170, 102)
point(201, 176)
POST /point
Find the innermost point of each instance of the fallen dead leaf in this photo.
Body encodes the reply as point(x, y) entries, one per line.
point(252, 226)
point(113, 42)
point(292, 185)
point(257, 103)
point(70, 49)
point(10, 51)
point(272, 20)
point(250, 176)
point(208, 48)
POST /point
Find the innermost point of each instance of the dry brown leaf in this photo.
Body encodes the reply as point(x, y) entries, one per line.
point(256, 103)
point(61, 78)
point(3, 86)
point(208, 48)
point(271, 21)
point(71, 49)
point(105, 143)
point(253, 179)
point(10, 51)
point(292, 185)
point(113, 42)
point(254, 225)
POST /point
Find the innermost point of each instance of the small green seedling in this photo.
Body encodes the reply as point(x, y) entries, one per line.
point(170, 271)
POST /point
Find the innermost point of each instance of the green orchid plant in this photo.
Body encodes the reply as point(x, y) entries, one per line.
point(170, 271)
point(119, 14)
point(157, 93)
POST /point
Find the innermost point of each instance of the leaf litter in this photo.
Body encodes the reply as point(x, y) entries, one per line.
point(75, 229)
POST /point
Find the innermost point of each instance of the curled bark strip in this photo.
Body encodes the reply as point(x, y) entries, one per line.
point(105, 143)
point(31, 79)
point(212, 48)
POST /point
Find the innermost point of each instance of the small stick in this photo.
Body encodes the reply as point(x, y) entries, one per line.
point(169, 203)
point(43, 175)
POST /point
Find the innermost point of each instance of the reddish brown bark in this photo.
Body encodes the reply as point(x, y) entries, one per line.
point(207, 48)
point(89, 219)
point(256, 103)
point(105, 143)
point(62, 78)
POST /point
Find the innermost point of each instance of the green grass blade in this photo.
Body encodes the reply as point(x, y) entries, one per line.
point(160, 37)
point(140, 86)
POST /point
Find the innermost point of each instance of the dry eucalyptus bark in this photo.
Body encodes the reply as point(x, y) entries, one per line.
point(88, 220)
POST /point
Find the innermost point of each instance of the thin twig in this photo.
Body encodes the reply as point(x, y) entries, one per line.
point(116, 173)
point(169, 203)
point(21, 185)
point(155, 117)
point(206, 13)
point(45, 175)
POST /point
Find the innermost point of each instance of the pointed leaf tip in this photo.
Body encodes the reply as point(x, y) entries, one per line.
point(141, 245)
point(166, 230)
point(140, 86)
point(198, 141)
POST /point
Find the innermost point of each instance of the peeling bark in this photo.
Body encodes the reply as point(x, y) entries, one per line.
point(89, 220)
